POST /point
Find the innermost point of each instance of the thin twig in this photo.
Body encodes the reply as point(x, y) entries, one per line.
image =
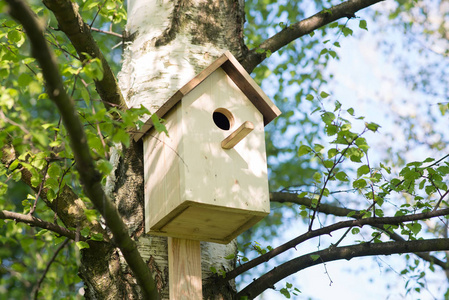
point(6, 119)
point(438, 161)
point(107, 32)
point(96, 15)
point(41, 186)
point(33, 221)
point(372, 185)
point(38, 284)
point(441, 199)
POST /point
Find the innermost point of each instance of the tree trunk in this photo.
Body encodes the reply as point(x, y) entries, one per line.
point(169, 42)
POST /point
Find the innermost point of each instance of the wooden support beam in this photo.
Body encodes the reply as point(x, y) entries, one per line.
point(184, 269)
point(238, 135)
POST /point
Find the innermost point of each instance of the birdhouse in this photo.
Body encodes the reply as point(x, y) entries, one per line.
point(207, 179)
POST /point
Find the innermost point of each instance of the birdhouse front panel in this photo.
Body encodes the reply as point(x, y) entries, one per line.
point(195, 188)
point(236, 177)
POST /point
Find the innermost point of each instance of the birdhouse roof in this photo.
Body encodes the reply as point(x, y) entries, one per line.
point(239, 76)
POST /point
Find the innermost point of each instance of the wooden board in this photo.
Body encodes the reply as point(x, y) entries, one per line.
point(184, 269)
point(206, 223)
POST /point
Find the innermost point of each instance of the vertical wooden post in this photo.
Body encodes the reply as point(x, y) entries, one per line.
point(184, 269)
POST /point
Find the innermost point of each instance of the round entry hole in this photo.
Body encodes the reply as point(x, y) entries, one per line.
point(223, 118)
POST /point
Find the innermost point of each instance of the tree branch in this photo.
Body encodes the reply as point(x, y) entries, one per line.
point(36, 222)
point(67, 205)
point(79, 33)
point(336, 253)
point(288, 34)
point(343, 212)
point(89, 176)
point(377, 222)
point(282, 197)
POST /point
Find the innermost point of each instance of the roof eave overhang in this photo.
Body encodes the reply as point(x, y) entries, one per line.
point(238, 75)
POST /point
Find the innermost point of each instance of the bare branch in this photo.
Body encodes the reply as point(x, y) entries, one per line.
point(89, 175)
point(343, 212)
point(336, 253)
point(107, 32)
point(288, 34)
point(36, 222)
point(52, 259)
point(282, 197)
point(79, 33)
point(377, 222)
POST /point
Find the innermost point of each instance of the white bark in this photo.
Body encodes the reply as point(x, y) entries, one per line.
point(152, 73)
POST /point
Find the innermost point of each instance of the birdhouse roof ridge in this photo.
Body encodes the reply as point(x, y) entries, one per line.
point(238, 75)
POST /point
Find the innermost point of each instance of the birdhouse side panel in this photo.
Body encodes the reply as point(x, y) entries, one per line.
point(162, 171)
point(233, 178)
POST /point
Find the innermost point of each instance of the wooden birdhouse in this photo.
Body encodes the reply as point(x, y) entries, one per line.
point(207, 180)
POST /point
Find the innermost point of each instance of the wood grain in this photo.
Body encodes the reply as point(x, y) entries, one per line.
point(184, 269)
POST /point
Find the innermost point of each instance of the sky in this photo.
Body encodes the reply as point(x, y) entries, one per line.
point(365, 79)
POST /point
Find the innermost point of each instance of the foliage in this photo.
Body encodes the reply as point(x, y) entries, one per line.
point(318, 151)
point(31, 125)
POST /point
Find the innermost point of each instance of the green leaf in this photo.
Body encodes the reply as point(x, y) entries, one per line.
point(363, 170)
point(24, 79)
point(35, 178)
point(104, 166)
point(285, 292)
point(355, 230)
point(91, 214)
point(332, 152)
point(97, 237)
point(328, 164)
point(230, 256)
point(328, 117)
point(157, 123)
point(14, 36)
point(347, 31)
point(362, 24)
point(54, 171)
point(331, 129)
point(415, 227)
point(303, 150)
point(314, 257)
point(13, 165)
point(359, 184)
point(309, 97)
point(85, 231)
point(318, 147)
point(372, 126)
point(324, 95)
point(351, 111)
point(94, 68)
point(342, 176)
point(41, 232)
point(388, 169)
point(82, 245)
point(317, 177)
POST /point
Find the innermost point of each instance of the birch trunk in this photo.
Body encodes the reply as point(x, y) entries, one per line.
point(170, 41)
